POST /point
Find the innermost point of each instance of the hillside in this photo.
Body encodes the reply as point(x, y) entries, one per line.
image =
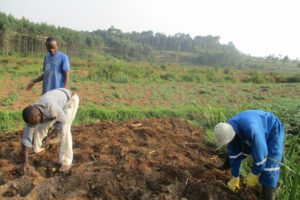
point(20, 36)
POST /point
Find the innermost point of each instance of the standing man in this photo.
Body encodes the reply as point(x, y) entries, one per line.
point(57, 107)
point(258, 133)
point(56, 69)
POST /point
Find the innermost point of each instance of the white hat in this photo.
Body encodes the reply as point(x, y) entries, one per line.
point(224, 133)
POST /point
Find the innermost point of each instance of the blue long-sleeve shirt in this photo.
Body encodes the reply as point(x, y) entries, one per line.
point(253, 128)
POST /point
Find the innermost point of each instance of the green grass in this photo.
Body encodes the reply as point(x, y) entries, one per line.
point(286, 111)
point(8, 101)
point(10, 121)
point(289, 183)
point(91, 113)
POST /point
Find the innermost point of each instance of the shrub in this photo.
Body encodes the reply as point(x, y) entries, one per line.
point(170, 76)
point(258, 77)
point(120, 77)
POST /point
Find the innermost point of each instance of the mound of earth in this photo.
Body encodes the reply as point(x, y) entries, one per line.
point(137, 159)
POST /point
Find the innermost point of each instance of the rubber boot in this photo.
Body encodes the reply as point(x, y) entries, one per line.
point(269, 193)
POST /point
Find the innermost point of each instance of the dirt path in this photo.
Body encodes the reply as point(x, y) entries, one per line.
point(139, 159)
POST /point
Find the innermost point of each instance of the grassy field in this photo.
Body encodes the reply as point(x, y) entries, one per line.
point(118, 90)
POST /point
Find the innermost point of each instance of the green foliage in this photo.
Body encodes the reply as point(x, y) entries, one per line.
point(21, 35)
point(74, 88)
point(204, 117)
point(256, 77)
point(120, 78)
point(209, 137)
point(289, 183)
point(8, 101)
point(295, 78)
point(230, 78)
point(10, 121)
point(170, 76)
point(204, 91)
point(120, 71)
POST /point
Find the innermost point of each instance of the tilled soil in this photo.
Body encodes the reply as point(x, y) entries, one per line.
point(139, 159)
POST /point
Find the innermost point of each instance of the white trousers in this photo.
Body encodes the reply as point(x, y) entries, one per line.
point(42, 129)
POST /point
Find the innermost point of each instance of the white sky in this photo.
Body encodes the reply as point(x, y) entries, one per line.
point(256, 27)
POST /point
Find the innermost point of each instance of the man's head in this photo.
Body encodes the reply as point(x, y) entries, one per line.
point(224, 133)
point(32, 115)
point(51, 45)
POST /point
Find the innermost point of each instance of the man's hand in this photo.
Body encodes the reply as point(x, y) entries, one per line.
point(32, 82)
point(46, 142)
point(251, 180)
point(234, 184)
point(23, 168)
point(30, 85)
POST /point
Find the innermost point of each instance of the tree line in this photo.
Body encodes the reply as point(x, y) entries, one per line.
point(21, 35)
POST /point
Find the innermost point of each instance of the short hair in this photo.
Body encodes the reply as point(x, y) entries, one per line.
point(29, 113)
point(50, 39)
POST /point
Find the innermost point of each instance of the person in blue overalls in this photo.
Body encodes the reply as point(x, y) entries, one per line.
point(258, 133)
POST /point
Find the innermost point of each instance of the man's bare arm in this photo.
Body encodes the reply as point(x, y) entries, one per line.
point(32, 82)
point(67, 79)
point(25, 164)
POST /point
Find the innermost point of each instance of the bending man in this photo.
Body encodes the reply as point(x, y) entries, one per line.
point(55, 108)
point(258, 133)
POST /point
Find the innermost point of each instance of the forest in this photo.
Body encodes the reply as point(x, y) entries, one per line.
point(23, 36)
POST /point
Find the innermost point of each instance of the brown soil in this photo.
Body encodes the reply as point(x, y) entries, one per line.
point(137, 159)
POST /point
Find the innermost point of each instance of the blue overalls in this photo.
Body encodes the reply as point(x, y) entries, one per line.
point(260, 134)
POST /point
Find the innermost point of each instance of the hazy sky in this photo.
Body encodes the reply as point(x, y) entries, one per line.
point(256, 27)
